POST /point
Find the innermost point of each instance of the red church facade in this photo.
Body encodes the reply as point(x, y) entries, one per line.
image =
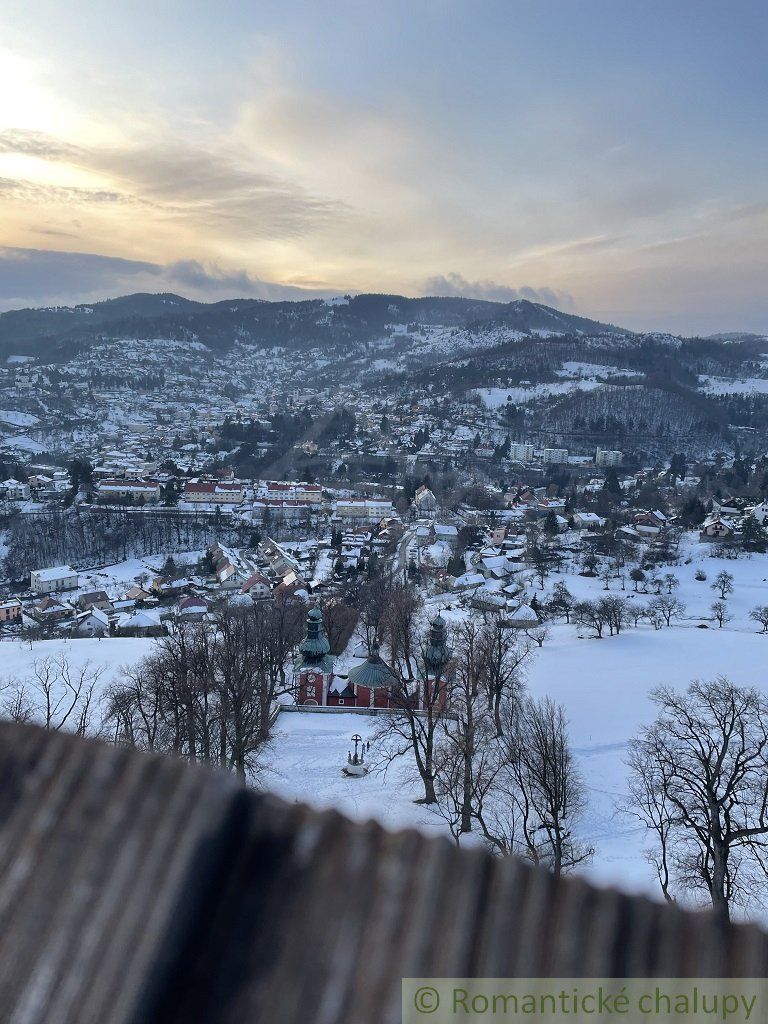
point(371, 684)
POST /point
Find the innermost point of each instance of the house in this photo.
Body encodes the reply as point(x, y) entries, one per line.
point(137, 492)
point(496, 566)
point(94, 599)
point(425, 501)
point(49, 581)
point(92, 623)
point(487, 600)
point(650, 522)
point(162, 586)
point(716, 528)
point(729, 508)
point(523, 617)
point(588, 521)
point(303, 493)
point(257, 586)
point(371, 510)
point(192, 609)
point(469, 581)
point(10, 611)
point(51, 610)
point(224, 562)
point(213, 493)
point(140, 623)
point(15, 490)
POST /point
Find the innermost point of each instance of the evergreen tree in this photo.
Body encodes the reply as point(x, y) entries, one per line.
point(550, 526)
point(753, 535)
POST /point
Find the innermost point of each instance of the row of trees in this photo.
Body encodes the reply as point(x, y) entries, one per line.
point(208, 695)
point(99, 536)
point(490, 759)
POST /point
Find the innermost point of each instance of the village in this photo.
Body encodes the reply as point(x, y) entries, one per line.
point(191, 523)
point(487, 558)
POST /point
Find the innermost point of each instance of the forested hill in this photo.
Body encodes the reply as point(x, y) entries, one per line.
point(54, 334)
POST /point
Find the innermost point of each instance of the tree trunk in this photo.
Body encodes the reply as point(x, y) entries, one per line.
point(718, 890)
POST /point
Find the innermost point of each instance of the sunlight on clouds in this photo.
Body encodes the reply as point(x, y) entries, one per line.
point(344, 146)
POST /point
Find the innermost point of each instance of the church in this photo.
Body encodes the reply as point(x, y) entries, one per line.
point(371, 684)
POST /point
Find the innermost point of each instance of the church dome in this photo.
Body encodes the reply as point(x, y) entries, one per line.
point(373, 673)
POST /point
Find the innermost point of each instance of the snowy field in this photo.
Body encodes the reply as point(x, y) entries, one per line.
point(730, 386)
point(495, 398)
point(17, 657)
point(110, 655)
point(604, 686)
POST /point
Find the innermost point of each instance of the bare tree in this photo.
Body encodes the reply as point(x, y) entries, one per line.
point(57, 694)
point(562, 600)
point(648, 800)
point(723, 584)
point(615, 612)
point(760, 615)
point(720, 613)
point(207, 694)
point(590, 614)
point(421, 703)
point(399, 625)
point(667, 608)
point(671, 582)
point(539, 791)
point(699, 778)
point(462, 729)
point(637, 576)
point(373, 601)
point(339, 622)
point(505, 654)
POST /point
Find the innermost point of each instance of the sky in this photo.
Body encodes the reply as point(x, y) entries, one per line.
point(608, 157)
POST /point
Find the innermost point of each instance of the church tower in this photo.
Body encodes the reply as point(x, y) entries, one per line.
point(314, 664)
point(436, 666)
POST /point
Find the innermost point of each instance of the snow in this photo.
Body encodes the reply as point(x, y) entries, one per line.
point(731, 386)
point(604, 686)
point(21, 443)
point(576, 369)
point(304, 763)
point(18, 657)
point(495, 398)
point(18, 419)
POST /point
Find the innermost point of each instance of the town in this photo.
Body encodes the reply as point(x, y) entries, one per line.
point(373, 583)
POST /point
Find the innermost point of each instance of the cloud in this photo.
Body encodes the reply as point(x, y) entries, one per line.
point(454, 284)
point(39, 144)
point(46, 277)
point(22, 190)
point(211, 191)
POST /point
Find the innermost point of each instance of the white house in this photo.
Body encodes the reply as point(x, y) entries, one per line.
point(92, 623)
point(588, 520)
point(49, 581)
point(425, 501)
point(15, 490)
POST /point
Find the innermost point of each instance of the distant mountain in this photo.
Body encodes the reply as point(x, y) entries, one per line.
point(57, 333)
point(737, 337)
